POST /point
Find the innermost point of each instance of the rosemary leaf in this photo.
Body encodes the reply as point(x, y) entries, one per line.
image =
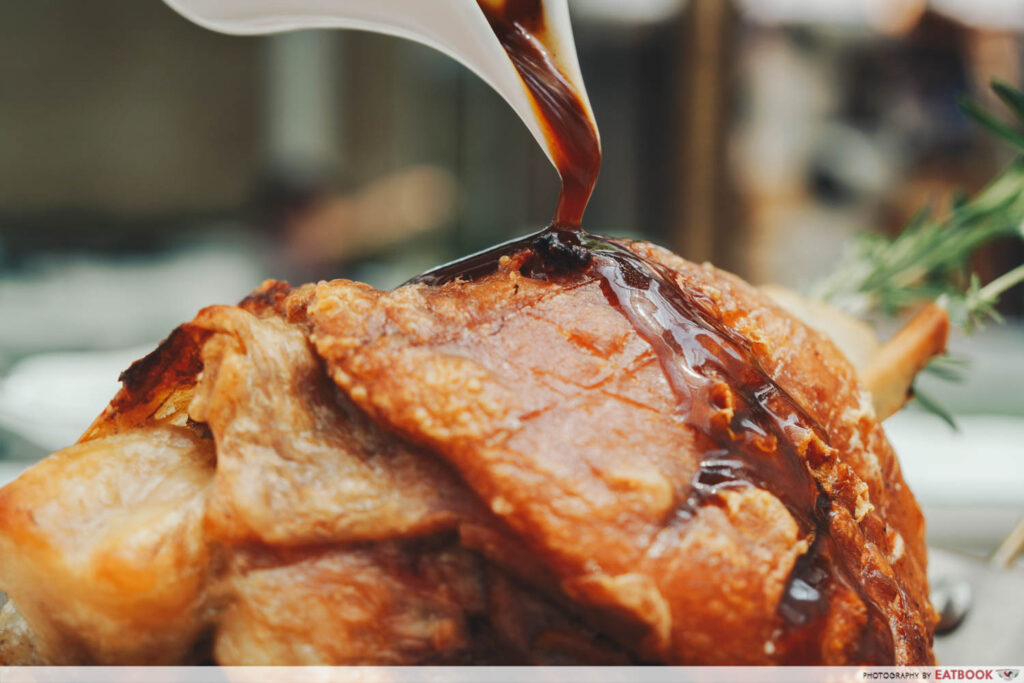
point(1011, 97)
point(970, 108)
point(948, 368)
point(936, 408)
point(927, 260)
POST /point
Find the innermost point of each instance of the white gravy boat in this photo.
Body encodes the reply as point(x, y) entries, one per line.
point(457, 28)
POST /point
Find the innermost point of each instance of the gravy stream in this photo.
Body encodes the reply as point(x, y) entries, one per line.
point(520, 27)
point(709, 367)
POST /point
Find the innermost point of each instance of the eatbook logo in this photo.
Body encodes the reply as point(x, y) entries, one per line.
point(1008, 674)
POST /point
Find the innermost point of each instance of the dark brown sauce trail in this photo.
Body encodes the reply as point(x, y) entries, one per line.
point(572, 138)
point(707, 365)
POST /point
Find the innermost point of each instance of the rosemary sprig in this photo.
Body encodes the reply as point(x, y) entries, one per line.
point(969, 311)
point(973, 307)
point(935, 408)
point(928, 259)
point(949, 368)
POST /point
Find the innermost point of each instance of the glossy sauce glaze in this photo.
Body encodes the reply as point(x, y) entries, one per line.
point(750, 426)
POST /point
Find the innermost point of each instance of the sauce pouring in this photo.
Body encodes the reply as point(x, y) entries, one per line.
point(524, 49)
point(770, 439)
point(569, 129)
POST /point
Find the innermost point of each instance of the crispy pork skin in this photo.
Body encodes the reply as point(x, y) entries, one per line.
point(102, 549)
point(560, 418)
point(296, 463)
point(386, 604)
point(490, 470)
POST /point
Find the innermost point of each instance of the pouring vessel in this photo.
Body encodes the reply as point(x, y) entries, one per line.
point(458, 28)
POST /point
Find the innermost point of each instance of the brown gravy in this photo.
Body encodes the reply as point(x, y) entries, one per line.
point(572, 138)
point(707, 365)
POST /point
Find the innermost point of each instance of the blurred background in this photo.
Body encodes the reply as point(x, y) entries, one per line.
point(149, 167)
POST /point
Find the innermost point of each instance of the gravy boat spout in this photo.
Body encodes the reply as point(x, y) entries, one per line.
point(458, 28)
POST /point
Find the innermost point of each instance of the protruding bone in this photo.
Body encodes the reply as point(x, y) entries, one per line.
point(889, 375)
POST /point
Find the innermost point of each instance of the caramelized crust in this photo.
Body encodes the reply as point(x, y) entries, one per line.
point(495, 471)
point(102, 550)
point(384, 604)
point(296, 463)
point(536, 389)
